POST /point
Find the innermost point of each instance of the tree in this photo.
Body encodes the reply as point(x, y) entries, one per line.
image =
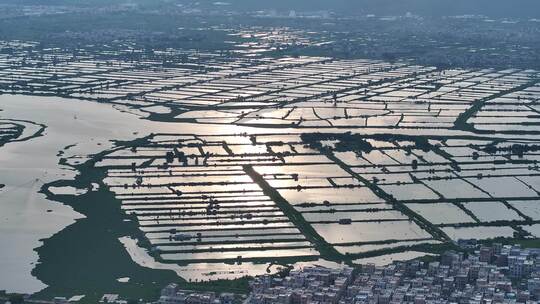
point(16, 299)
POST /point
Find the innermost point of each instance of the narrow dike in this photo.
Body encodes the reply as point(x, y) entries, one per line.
point(462, 123)
point(326, 250)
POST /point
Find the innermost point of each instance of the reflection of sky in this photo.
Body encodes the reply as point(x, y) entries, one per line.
point(481, 233)
point(410, 192)
point(208, 226)
point(270, 254)
point(333, 195)
point(304, 171)
point(455, 188)
point(198, 271)
point(275, 245)
point(441, 213)
point(492, 211)
point(530, 208)
point(389, 258)
point(504, 187)
point(368, 232)
point(336, 216)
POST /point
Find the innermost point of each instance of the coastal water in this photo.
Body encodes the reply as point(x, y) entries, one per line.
point(26, 216)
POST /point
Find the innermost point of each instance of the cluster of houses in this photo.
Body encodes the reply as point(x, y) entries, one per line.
point(497, 274)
